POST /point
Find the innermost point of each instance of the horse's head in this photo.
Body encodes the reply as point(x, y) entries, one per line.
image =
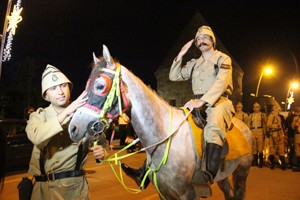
point(106, 99)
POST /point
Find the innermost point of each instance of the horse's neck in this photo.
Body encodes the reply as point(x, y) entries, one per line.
point(149, 113)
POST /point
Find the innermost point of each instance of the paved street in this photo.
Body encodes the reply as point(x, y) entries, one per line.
point(263, 184)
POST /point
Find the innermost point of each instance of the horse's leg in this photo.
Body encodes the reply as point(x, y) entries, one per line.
point(239, 178)
point(226, 188)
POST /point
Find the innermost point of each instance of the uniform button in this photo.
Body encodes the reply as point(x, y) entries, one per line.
point(57, 161)
point(203, 70)
point(60, 148)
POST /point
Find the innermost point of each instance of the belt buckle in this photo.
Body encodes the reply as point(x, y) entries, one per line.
point(49, 174)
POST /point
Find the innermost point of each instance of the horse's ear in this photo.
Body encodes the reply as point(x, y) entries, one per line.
point(107, 58)
point(96, 60)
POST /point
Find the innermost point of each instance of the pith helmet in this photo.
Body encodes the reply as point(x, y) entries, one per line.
point(207, 31)
point(276, 107)
point(52, 77)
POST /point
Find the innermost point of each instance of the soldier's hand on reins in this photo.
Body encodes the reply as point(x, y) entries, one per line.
point(99, 152)
point(194, 103)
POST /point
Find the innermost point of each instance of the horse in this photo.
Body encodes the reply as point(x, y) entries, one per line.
point(152, 119)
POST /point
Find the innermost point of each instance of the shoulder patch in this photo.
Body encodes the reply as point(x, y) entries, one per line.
point(225, 66)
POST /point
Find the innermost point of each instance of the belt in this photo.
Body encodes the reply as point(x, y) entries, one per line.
point(275, 130)
point(198, 96)
point(59, 175)
point(256, 127)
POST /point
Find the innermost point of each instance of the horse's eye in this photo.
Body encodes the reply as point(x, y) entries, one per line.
point(102, 85)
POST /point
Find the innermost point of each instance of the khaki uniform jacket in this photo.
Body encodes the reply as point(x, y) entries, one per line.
point(44, 131)
point(276, 140)
point(242, 116)
point(204, 79)
point(274, 123)
point(257, 121)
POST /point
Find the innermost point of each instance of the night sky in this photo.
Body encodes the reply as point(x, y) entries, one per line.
point(139, 33)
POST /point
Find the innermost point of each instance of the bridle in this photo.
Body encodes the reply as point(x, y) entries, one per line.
point(107, 114)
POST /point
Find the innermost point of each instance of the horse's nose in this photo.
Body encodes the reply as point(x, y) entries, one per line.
point(72, 129)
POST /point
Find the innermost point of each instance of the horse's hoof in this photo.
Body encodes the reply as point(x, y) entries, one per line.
point(204, 191)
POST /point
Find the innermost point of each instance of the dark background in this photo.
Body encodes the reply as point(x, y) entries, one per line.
point(139, 33)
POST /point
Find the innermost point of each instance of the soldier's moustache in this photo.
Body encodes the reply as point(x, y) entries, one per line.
point(202, 44)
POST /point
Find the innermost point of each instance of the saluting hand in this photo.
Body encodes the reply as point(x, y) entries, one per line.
point(184, 49)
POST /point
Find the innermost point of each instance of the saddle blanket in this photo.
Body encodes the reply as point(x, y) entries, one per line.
point(238, 145)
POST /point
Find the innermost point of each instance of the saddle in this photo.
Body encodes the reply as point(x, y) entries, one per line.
point(236, 141)
point(199, 116)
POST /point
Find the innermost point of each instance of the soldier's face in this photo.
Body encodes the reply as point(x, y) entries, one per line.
point(204, 42)
point(256, 108)
point(58, 95)
point(239, 108)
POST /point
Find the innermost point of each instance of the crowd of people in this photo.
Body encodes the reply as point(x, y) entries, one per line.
point(276, 138)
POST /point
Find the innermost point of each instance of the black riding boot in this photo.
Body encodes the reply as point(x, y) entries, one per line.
point(261, 159)
point(213, 158)
point(255, 160)
point(283, 163)
point(272, 162)
point(137, 174)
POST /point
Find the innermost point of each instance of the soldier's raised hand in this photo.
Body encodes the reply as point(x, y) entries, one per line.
point(184, 49)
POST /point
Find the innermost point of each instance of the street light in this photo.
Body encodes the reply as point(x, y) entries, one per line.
point(289, 101)
point(267, 70)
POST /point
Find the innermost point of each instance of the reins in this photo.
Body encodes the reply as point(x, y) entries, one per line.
point(116, 159)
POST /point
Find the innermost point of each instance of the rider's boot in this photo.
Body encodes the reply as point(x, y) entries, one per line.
point(261, 159)
point(213, 159)
point(272, 161)
point(137, 174)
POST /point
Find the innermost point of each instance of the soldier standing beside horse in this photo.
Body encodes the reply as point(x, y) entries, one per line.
point(57, 162)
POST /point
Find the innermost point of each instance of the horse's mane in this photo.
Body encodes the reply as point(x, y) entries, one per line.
point(145, 89)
